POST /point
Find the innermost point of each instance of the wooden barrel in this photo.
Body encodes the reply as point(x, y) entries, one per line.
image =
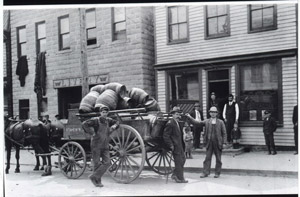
point(125, 103)
point(88, 102)
point(98, 88)
point(108, 98)
point(138, 95)
point(151, 105)
point(120, 89)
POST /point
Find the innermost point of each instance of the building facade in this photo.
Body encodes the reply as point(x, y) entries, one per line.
point(249, 51)
point(118, 47)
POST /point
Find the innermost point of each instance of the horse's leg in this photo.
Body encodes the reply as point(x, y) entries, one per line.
point(8, 147)
point(17, 170)
point(37, 165)
point(38, 150)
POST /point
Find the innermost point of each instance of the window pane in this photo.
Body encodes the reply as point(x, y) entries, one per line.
point(256, 21)
point(222, 10)
point(65, 41)
point(119, 14)
point(212, 26)
point(23, 49)
point(183, 31)
point(256, 6)
point(91, 33)
point(222, 24)
point(120, 26)
point(173, 15)
point(211, 10)
point(268, 17)
point(42, 44)
point(22, 35)
point(267, 5)
point(64, 25)
point(41, 30)
point(90, 19)
point(184, 86)
point(182, 14)
point(174, 32)
point(121, 35)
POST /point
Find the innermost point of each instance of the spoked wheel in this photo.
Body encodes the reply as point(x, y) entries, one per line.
point(127, 152)
point(160, 160)
point(72, 160)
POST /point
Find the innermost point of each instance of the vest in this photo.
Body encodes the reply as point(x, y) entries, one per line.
point(230, 110)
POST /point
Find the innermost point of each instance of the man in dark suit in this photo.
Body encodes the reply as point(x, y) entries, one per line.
point(198, 115)
point(295, 122)
point(269, 127)
point(173, 138)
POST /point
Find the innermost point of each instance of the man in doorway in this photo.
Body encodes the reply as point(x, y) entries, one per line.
point(214, 139)
point(213, 102)
point(198, 115)
point(295, 122)
point(173, 138)
point(230, 115)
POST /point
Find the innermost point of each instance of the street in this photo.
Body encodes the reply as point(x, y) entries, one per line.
point(31, 183)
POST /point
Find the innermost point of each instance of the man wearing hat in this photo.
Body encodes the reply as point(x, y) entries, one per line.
point(198, 115)
point(269, 127)
point(99, 128)
point(214, 138)
point(173, 138)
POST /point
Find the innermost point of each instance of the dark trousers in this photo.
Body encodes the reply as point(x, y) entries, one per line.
point(229, 127)
point(269, 137)
point(197, 134)
point(212, 148)
point(179, 160)
point(296, 137)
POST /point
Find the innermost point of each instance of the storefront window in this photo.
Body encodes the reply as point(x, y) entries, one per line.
point(259, 90)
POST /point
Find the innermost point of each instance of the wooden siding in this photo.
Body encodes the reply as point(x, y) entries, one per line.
point(161, 90)
point(238, 43)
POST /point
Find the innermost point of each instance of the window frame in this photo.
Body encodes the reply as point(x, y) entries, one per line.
point(60, 42)
point(274, 27)
point(38, 45)
point(206, 28)
point(19, 48)
point(114, 37)
point(94, 27)
point(24, 109)
point(185, 40)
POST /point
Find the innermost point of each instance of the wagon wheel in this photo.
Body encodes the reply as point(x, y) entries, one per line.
point(127, 152)
point(72, 160)
point(160, 160)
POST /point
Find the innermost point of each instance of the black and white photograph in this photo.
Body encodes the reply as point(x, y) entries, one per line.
point(150, 99)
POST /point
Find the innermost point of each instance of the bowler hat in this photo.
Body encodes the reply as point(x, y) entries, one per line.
point(267, 112)
point(212, 93)
point(175, 109)
point(197, 105)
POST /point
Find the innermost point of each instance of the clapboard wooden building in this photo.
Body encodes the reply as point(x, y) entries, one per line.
point(247, 50)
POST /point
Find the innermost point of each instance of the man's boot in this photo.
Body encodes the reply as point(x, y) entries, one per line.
point(47, 171)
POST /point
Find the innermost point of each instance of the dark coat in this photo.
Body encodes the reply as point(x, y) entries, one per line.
point(220, 132)
point(22, 69)
point(295, 115)
point(193, 114)
point(269, 126)
point(173, 137)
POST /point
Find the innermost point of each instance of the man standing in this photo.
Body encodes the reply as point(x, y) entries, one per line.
point(230, 115)
point(269, 127)
point(214, 139)
point(173, 138)
point(198, 115)
point(99, 128)
point(295, 122)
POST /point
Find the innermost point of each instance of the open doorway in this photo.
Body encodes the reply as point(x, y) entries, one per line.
point(68, 97)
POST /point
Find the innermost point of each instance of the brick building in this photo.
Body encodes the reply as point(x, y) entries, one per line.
point(247, 50)
point(118, 47)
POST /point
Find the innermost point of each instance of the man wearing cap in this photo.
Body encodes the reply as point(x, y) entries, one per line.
point(100, 128)
point(230, 115)
point(173, 138)
point(198, 115)
point(214, 138)
point(269, 127)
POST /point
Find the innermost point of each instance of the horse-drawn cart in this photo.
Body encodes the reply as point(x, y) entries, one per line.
point(136, 141)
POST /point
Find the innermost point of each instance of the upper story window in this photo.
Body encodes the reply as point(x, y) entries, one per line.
point(177, 24)
point(64, 33)
point(119, 23)
point(41, 37)
point(91, 33)
point(21, 41)
point(217, 21)
point(262, 17)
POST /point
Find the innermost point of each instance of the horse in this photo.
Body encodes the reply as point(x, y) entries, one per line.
point(24, 133)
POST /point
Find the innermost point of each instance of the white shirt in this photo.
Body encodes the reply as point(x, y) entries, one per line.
point(198, 115)
point(236, 110)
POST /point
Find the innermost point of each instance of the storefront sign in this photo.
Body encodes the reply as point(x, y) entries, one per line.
point(71, 82)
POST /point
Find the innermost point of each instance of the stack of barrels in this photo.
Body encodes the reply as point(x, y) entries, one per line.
point(115, 96)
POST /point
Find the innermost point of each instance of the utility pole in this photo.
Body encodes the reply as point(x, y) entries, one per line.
point(83, 55)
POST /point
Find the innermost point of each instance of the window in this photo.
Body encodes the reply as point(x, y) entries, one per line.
point(119, 23)
point(262, 17)
point(64, 33)
point(21, 40)
point(260, 90)
point(177, 24)
point(91, 33)
point(217, 21)
point(24, 109)
point(41, 37)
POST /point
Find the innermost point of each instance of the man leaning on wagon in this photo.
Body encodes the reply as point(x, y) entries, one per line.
point(100, 128)
point(173, 137)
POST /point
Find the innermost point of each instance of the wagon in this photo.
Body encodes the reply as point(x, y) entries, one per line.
point(136, 141)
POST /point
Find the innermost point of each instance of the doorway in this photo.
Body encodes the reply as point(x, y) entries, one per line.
point(68, 97)
point(218, 82)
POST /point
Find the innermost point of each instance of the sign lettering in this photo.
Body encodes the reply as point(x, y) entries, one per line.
point(77, 81)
